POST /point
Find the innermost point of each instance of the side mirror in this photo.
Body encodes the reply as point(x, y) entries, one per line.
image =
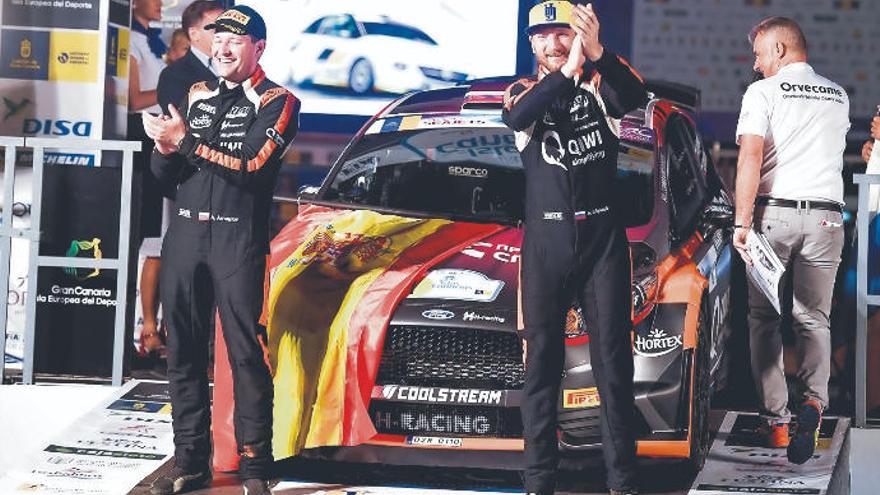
point(308, 192)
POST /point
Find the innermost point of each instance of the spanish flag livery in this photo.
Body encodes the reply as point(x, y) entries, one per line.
point(335, 278)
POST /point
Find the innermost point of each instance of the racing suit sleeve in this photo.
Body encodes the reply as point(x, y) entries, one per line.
point(622, 88)
point(169, 169)
point(526, 101)
point(264, 142)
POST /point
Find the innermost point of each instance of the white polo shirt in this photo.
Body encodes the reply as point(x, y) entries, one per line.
point(804, 119)
point(149, 65)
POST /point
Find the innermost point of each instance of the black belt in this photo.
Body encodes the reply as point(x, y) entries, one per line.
point(800, 204)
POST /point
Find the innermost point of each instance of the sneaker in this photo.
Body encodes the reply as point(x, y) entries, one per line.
point(180, 481)
point(806, 436)
point(255, 486)
point(774, 436)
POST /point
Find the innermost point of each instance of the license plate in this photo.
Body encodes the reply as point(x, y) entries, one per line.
point(434, 442)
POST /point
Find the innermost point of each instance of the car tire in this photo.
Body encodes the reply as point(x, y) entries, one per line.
point(360, 76)
point(699, 426)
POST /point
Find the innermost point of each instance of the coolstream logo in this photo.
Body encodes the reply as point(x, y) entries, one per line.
point(442, 395)
point(657, 343)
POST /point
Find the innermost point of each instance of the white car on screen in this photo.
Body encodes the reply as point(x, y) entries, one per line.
point(370, 55)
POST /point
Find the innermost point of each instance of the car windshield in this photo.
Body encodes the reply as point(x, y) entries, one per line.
point(397, 31)
point(471, 172)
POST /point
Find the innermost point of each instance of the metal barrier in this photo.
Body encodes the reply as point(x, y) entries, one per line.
point(863, 299)
point(6, 234)
point(120, 264)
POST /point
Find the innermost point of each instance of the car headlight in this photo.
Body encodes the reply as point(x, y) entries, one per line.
point(400, 66)
point(644, 291)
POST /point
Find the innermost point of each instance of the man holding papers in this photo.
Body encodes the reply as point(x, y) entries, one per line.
point(792, 133)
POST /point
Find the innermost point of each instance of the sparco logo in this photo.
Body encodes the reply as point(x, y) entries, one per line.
point(471, 316)
point(468, 171)
point(657, 343)
point(442, 395)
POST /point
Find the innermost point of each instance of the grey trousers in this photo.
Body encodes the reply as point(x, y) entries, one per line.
point(809, 243)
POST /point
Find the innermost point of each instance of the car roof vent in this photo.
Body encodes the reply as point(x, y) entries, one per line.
point(483, 100)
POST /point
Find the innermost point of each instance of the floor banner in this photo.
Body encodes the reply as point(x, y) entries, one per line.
point(738, 464)
point(106, 452)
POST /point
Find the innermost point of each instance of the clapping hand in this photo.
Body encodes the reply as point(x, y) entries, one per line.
point(586, 25)
point(166, 131)
point(575, 59)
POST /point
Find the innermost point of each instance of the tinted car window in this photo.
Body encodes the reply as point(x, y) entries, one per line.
point(686, 182)
point(465, 171)
point(447, 172)
point(341, 26)
point(313, 27)
point(397, 31)
point(635, 183)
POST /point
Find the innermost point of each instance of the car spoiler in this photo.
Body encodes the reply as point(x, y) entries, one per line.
point(680, 94)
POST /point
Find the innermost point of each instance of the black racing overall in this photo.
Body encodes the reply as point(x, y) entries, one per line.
point(214, 255)
point(575, 247)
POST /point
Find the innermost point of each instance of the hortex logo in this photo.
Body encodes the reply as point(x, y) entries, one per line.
point(77, 247)
point(442, 395)
point(550, 12)
point(656, 343)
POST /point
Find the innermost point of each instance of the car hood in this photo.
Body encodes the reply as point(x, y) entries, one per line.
point(475, 288)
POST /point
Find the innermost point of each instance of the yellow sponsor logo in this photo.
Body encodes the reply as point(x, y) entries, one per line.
point(119, 50)
point(26, 60)
point(73, 56)
point(236, 16)
point(580, 398)
point(24, 49)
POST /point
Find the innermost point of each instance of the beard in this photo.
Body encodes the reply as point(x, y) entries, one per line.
point(547, 65)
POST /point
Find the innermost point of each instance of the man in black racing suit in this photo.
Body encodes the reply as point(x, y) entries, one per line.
point(232, 134)
point(574, 245)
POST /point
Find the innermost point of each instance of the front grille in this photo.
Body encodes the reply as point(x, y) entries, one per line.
point(451, 357)
point(445, 420)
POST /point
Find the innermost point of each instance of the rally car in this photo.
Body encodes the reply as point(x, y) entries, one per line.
point(393, 313)
point(370, 54)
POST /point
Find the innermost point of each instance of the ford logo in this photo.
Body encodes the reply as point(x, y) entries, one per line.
point(438, 314)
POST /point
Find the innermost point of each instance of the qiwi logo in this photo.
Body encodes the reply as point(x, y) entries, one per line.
point(74, 251)
point(49, 127)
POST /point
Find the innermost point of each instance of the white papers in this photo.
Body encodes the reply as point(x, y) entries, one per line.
point(766, 269)
point(874, 168)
